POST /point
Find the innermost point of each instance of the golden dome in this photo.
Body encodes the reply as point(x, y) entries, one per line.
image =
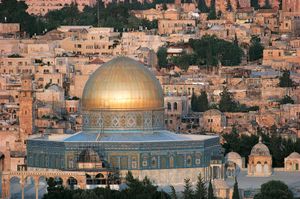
point(122, 84)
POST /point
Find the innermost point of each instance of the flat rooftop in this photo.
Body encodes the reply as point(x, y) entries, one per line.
point(125, 136)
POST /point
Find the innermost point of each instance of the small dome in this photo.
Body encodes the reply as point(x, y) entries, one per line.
point(232, 156)
point(294, 155)
point(260, 149)
point(89, 156)
point(122, 84)
point(212, 112)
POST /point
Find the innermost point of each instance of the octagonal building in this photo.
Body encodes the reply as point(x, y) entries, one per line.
point(123, 128)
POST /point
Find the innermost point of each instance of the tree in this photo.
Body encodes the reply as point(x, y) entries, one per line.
point(212, 11)
point(201, 190)
point(254, 4)
point(194, 103)
point(211, 51)
point(183, 61)
point(188, 191)
point(286, 100)
point(162, 57)
point(165, 6)
point(285, 80)
point(173, 193)
point(51, 184)
point(256, 49)
point(232, 141)
point(227, 104)
point(236, 41)
point(210, 194)
point(274, 189)
point(236, 194)
point(280, 4)
point(202, 102)
point(13, 11)
point(202, 6)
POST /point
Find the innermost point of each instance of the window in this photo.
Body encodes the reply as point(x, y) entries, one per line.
point(169, 106)
point(134, 162)
point(189, 160)
point(171, 162)
point(175, 106)
point(145, 162)
point(153, 162)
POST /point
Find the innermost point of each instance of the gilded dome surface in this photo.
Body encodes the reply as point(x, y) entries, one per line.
point(122, 84)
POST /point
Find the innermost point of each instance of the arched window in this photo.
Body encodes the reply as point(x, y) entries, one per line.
point(169, 106)
point(153, 162)
point(266, 168)
point(258, 167)
point(145, 162)
point(175, 106)
point(189, 160)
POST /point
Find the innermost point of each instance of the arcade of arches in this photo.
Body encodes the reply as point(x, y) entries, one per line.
point(67, 179)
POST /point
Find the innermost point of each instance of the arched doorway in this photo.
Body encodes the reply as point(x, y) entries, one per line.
point(100, 179)
point(42, 184)
point(15, 188)
point(258, 167)
point(93, 181)
point(72, 183)
point(58, 181)
point(29, 187)
point(266, 168)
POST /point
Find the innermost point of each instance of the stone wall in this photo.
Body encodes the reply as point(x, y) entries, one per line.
point(163, 177)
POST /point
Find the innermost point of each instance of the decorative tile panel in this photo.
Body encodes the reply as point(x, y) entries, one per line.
point(123, 120)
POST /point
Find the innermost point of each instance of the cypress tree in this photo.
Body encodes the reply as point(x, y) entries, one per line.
point(254, 4)
point(202, 102)
point(194, 103)
point(201, 190)
point(210, 194)
point(173, 193)
point(188, 191)
point(202, 6)
point(235, 194)
point(236, 41)
point(227, 104)
point(212, 12)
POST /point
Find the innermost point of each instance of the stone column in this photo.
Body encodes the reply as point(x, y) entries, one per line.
point(65, 181)
point(81, 182)
point(5, 187)
point(22, 187)
point(36, 186)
